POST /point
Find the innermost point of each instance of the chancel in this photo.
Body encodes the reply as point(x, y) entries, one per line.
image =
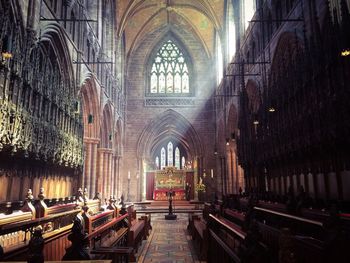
point(230, 118)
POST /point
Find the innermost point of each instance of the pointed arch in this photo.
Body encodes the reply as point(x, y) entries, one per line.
point(118, 144)
point(169, 124)
point(53, 34)
point(91, 108)
point(106, 127)
point(169, 57)
point(254, 96)
point(232, 121)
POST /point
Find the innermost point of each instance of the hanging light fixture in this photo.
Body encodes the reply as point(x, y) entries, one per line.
point(215, 151)
point(227, 141)
point(272, 109)
point(255, 122)
point(345, 52)
point(6, 55)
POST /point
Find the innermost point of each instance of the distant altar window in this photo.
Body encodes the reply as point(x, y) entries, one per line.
point(169, 72)
point(177, 158)
point(157, 161)
point(183, 161)
point(170, 153)
point(162, 158)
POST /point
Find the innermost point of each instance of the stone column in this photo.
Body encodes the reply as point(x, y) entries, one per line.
point(87, 172)
point(116, 175)
point(110, 181)
point(105, 174)
point(94, 158)
point(120, 178)
point(100, 171)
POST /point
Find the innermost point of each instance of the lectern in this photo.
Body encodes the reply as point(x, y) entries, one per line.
point(170, 215)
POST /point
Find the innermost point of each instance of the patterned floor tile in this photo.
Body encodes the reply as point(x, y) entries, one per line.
point(169, 242)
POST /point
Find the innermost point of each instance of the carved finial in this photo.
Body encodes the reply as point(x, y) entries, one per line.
point(122, 200)
point(41, 193)
point(80, 195)
point(97, 196)
point(36, 246)
point(85, 195)
point(111, 199)
point(86, 192)
point(29, 196)
point(77, 251)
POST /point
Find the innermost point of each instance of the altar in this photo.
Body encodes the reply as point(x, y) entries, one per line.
point(179, 194)
point(165, 180)
point(160, 182)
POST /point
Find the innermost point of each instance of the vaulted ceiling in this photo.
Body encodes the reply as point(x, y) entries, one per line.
point(138, 18)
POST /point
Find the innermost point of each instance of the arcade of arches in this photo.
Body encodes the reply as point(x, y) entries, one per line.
point(244, 98)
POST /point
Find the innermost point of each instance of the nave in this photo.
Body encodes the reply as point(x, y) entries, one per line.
point(169, 241)
point(232, 112)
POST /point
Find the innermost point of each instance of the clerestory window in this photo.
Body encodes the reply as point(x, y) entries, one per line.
point(169, 72)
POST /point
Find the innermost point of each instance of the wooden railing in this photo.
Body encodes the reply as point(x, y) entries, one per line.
point(224, 241)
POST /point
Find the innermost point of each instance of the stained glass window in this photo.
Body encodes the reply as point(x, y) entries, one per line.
point(177, 158)
point(183, 162)
point(157, 162)
point(162, 158)
point(169, 74)
point(170, 154)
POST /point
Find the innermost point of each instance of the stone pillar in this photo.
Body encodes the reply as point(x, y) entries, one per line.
point(87, 166)
point(105, 174)
point(116, 175)
point(110, 180)
point(94, 158)
point(100, 171)
point(119, 178)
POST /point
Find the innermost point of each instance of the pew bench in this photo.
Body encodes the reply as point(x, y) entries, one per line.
point(138, 230)
point(197, 227)
point(234, 216)
point(135, 236)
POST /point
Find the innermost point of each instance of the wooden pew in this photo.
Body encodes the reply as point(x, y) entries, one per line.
point(138, 230)
point(271, 227)
point(224, 241)
point(197, 227)
point(16, 228)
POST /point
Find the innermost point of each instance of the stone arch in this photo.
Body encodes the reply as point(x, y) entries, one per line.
point(254, 98)
point(106, 127)
point(91, 108)
point(232, 121)
point(118, 143)
point(169, 124)
point(286, 50)
point(53, 35)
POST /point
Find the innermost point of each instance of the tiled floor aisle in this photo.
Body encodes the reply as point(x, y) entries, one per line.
point(168, 242)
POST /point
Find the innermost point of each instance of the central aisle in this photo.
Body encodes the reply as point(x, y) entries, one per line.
point(169, 241)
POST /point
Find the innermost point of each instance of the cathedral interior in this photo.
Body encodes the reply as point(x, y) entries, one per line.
point(229, 117)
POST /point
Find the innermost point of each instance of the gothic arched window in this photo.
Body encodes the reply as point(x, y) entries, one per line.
point(157, 162)
point(170, 154)
point(169, 72)
point(183, 162)
point(162, 158)
point(177, 158)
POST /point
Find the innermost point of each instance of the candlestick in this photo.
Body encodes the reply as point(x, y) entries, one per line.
point(128, 175)
point(211, 173)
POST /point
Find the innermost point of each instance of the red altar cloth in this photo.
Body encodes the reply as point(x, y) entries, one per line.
point(161, 194)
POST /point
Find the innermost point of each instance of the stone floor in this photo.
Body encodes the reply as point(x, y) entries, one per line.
point(169, 242)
